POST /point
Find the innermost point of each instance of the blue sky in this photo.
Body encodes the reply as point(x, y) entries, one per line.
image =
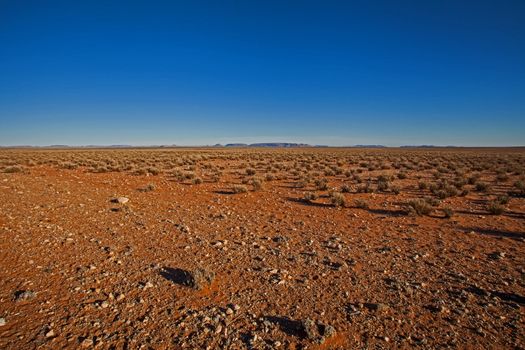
point(204, 72)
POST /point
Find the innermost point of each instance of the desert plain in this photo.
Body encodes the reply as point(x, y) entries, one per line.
point(254, 248)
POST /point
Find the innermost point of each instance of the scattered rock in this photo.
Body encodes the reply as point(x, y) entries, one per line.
point(377, 307)
point(183, 228)
point(2, 321)
point(316, 331)
point(120, 200)
point(86, 343)
point(310, 329)
point(199, 278)
point(497, 255)
point(24, 295)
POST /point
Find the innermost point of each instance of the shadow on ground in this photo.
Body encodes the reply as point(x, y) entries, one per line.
point(311, 204)
point(387, 212)
point(288, 326)
point(508, 297)
point(175, 275)
point(223, 192)
point(494, 233)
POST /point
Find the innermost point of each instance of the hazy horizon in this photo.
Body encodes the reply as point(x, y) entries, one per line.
point(201, 73)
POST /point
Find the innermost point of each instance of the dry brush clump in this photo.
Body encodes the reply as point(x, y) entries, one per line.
point(257, 184)
point(337, 199)
point(196, 181)
point(520, 187)
point(346, 188)
point(361, 203)
point(309, 197)
point(419, 207)
point(148, 188)
point(321, 184)
point(14, 169)
point(449, 212)
point(239, 189)
point(495, 207)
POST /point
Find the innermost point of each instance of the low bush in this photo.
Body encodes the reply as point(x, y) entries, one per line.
point(448, 212)
point(361, 203)
point(495, 208)
point(239, 189)
point(310, 197)
point(196, 181)
point(419, 207)
point(337, 199)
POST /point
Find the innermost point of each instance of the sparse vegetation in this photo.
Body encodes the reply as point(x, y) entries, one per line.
point(196, 181)
point(13, 169)
point(337, 199)
point(147, 188)
point(310, 197)
point(345, 188)
point(239, 189)
point(321, 184)
point(449, 212)
point(320, 219)
point(482, 187)
point(419, 207)
point(495, 208)
point(257, 184)
point(361, 203)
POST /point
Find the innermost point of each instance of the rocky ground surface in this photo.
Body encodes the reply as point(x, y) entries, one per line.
point(92, 260)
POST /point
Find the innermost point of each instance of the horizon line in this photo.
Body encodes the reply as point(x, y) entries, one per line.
point(250, 145)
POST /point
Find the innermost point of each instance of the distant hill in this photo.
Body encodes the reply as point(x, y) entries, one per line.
point(279, 144)
point(427, 146)
point(369, 146)
point(236, 145)
point(269, 144)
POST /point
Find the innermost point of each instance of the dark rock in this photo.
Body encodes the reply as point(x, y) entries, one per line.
point(200, 278)
point(316, 331)
point(24, 295)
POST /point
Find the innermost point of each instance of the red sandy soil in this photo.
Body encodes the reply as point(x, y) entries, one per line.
point(105, 275)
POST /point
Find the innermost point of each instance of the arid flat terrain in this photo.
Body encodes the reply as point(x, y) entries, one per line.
point(316, 248)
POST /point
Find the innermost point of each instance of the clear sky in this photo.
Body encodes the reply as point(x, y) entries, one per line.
point(203, 72)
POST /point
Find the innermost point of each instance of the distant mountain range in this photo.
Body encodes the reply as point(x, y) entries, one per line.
point(368, 146)
point(269, 144)
point(251, 145)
